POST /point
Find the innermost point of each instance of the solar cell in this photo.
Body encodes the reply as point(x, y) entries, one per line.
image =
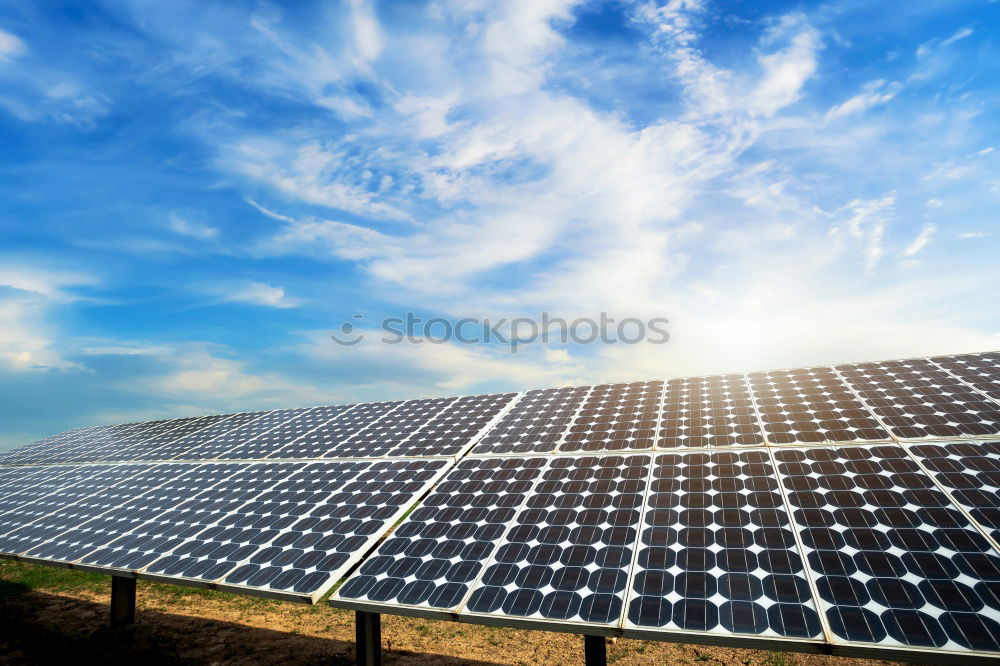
point(970, 472)
point(717, 553)
point(151, 526)
point(86, 447)
point(616, 417)
point(982, 371)
point(894, 562)
point(712, 411)
point(811, 405)
point(916, 399)
point(536, 423)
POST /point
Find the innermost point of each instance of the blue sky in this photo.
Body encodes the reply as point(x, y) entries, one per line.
point(194, 195)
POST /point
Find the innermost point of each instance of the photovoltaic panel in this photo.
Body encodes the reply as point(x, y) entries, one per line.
point(266, 444)
point(38, 450)
point(536, 423)
point(717, 553)
point(982, 371)
point(57, 449)
point(811, 405)
point(135, 533)
point(18, 480)
point(117, 440)
point(73, 529)
point(394, 427)
point(285, 530)
point(616, 417)
point(178, 449)
point(970, 471)
point(431, 560)
point(567, 556)
point(62, 487)
point(334, 439)
point(328, 514)
point(451, 431)
point(155, 446)
point(917, 399)
point(229, 439)
point(295, 527)
point(89, 447)
point(712, 411)
point(894, 562)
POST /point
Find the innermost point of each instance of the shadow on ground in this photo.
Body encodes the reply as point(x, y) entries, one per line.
point(41, 628)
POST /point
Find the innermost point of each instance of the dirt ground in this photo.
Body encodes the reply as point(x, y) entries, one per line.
point(44, 621)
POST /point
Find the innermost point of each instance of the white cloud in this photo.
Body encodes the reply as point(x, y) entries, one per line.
point(876, 93)
point(11, 46)
point(934, 203)
point(786, 70)
point(865, 222)
point(967, 235)
point(255, 293)
point(921, 241)
point(958, 35)
point(367, 35)
point(181, 224)
point(28, 298)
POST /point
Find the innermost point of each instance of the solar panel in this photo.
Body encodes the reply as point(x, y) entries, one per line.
point(231, 438)
point(895, 563)
point(811, 405)
point(285, 530)
point(917, 399)
point(537, 423)
point(981, 371)
point(567, 555)
point(717, 553)
point(334, 439)
point(42, 448)
point(266, 444)
point(431, 560)
point(970, 472)
point(616, 417)
point(177, 449)
point(65, 530)
point(453, 430)
point(709, 412)
point(151, 446)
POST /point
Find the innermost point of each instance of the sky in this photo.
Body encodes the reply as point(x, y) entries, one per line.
point(195, 195)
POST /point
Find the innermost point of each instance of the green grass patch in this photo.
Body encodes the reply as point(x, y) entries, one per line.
point(55, 579)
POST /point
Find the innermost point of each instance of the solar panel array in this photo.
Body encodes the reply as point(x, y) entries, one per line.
point(278, 503)
point(829, 508)
point(852, 509)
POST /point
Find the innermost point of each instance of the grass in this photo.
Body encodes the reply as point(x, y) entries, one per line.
point(18, 577)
